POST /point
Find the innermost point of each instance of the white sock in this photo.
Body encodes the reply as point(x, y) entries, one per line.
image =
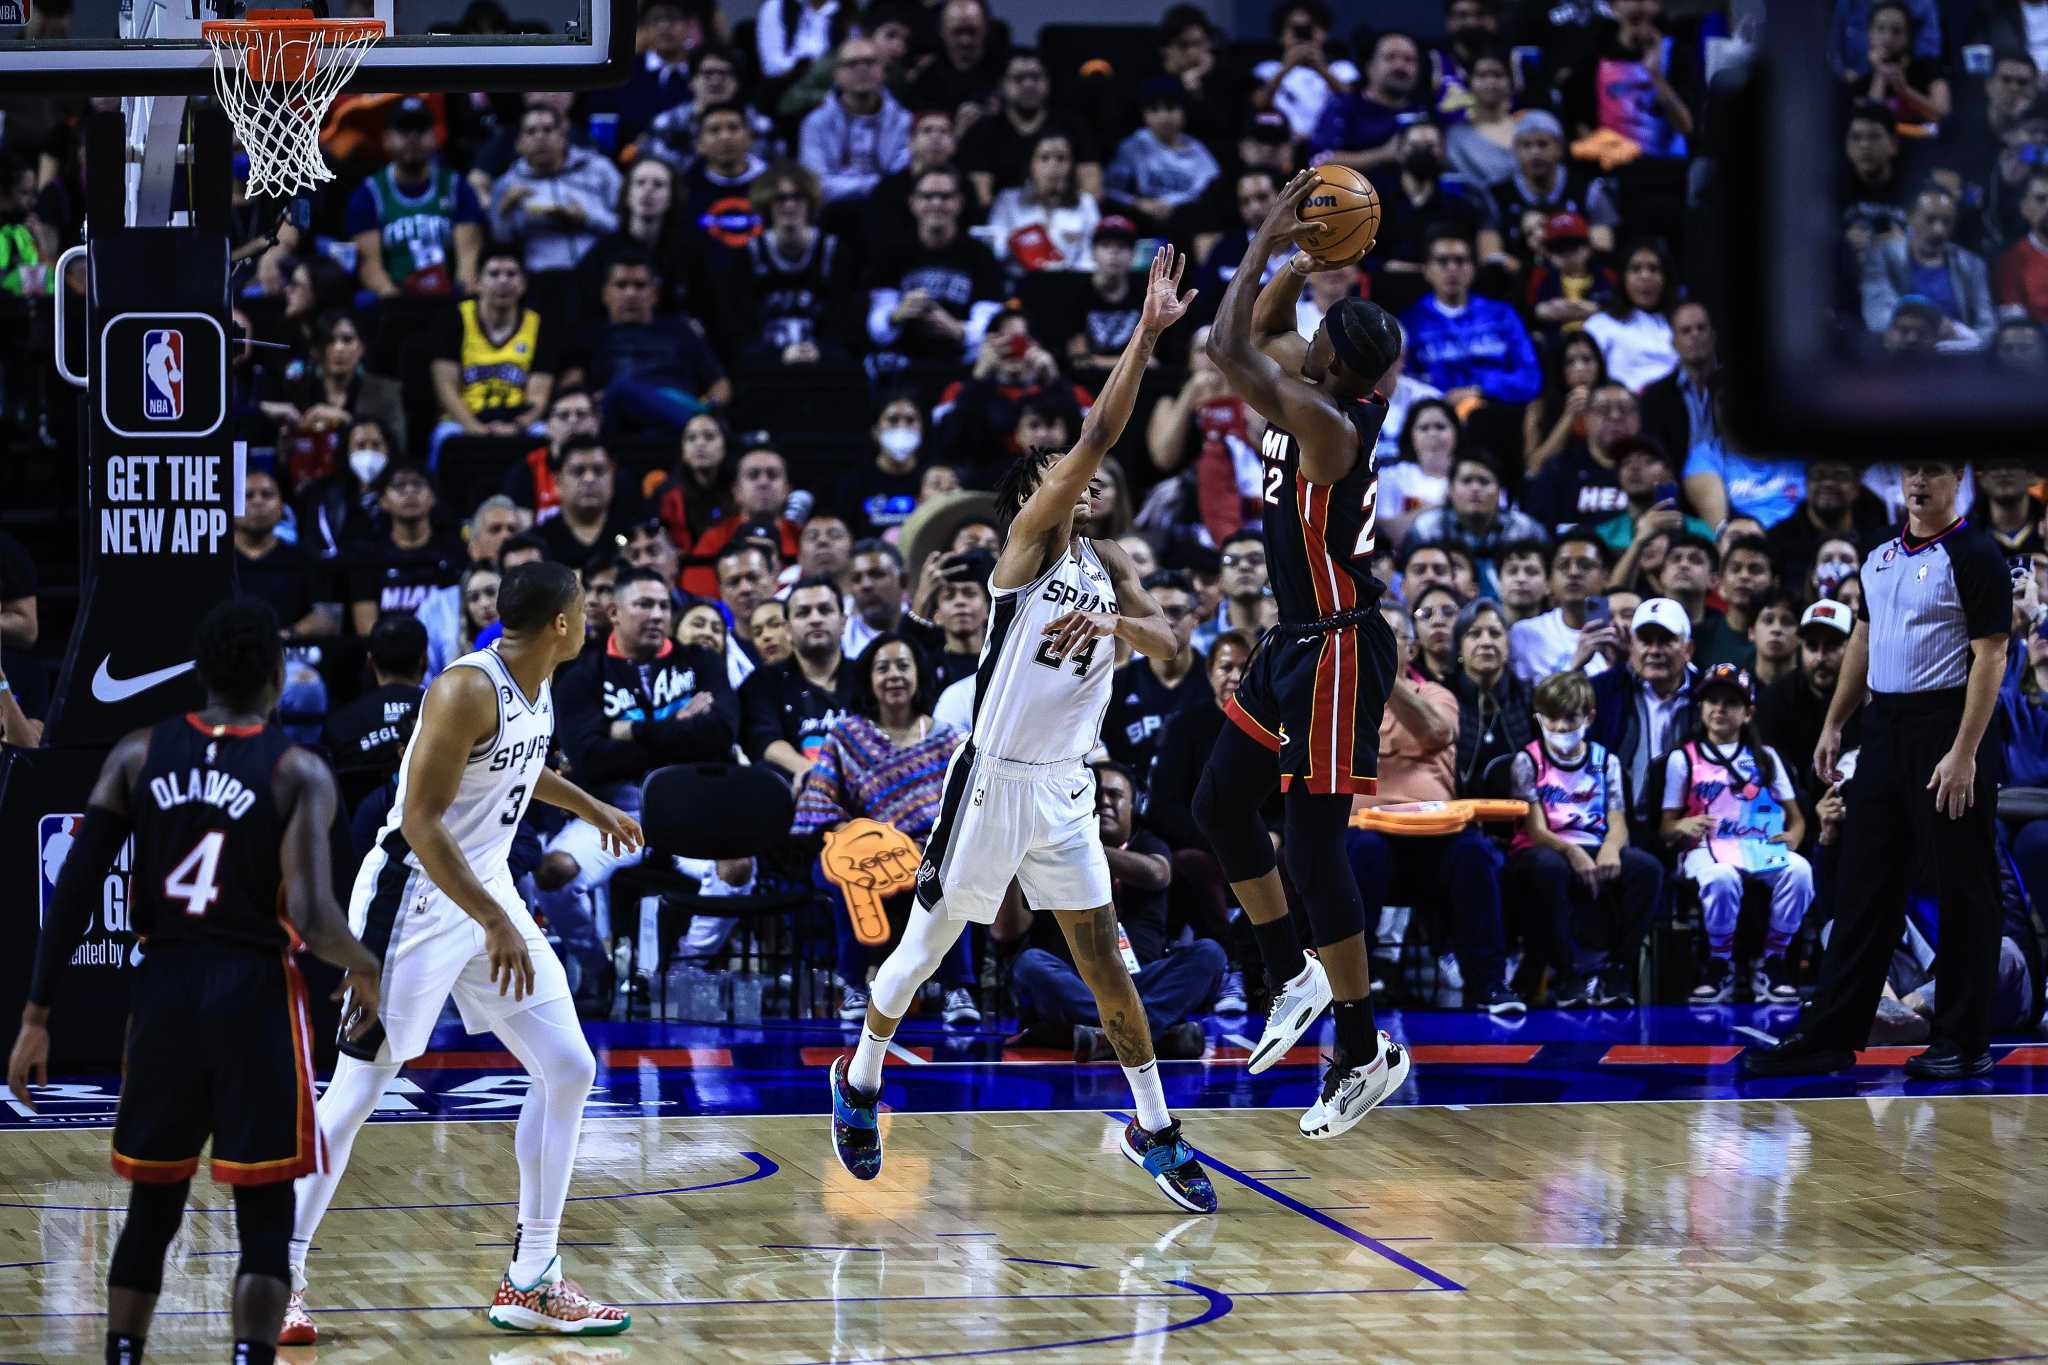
point(1148, 1096)
point(549, 1043)
point(350, 1099)
point(865, 1075)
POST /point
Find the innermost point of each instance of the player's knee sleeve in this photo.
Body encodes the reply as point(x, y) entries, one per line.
point(154, 1212)
point(263, 1217)
point(1231, 824)
point(926, 940)
point(1318, 865)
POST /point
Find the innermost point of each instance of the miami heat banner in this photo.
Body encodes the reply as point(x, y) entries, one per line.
point(161, 484)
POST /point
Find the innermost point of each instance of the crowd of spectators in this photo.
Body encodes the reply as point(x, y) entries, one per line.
point(741, 340)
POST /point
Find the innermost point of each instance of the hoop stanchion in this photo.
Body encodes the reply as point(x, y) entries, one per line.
point(276, 74)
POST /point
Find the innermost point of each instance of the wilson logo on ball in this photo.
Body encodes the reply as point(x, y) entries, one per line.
point(1323, 201)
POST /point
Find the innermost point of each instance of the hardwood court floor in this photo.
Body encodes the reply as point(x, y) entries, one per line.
point(1884, 1229)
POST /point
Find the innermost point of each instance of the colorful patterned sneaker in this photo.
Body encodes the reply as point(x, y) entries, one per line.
point(298, 1329)
point(556, 1305)
point(856, 1136)
point(1167, 1158)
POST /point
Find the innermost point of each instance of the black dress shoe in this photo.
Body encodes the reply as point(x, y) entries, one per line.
point(1796, 1056)
point(1944, 1061)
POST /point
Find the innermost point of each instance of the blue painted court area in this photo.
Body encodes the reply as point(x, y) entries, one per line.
point(1548, 1057)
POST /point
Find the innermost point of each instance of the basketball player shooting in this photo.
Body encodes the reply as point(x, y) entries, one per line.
point(1019, 800)
point(435, 901)
point(231, 873)
point(1307, 716)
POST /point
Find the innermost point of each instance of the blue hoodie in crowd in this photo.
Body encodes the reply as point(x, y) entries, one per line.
point(1482, 346)
point(2025, 716)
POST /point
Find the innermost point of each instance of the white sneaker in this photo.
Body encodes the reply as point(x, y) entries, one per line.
point(1230, 999)
point(1294, 1009)
point(1350, 1092)
point(298, 1328)
point(960, 1007)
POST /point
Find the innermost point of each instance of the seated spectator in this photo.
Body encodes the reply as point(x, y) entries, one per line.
point(1481, 147)
point(1645, 476)
point(701, 625)
point(650, 228)
point(1145, 693)
point(1254, 191)
point(1102, 311)
point(880, 495)
point(1567, 637)
point(297, 586)
point(1573, 369)
point(887, 220)
point(859, 133)
point(929, 301)
point(886, 762)
point(1849, 47)
point(1224, 491)
point(1571, 854)
point(654, 374)
point(1723, 480)
point(696, 495)
point(594, 518)
point(1543, 187)
point(343, 506)
point(874, 585)
point(669, 38)
point(1791, 711)
point(1774, 636)
point(963, 79)
point(1908, 85)
point(320, 401)
point(1748, 580)
point(1493, 704)
point(1433, 613)
point(534, 483)
point(2018, 346)
point(1690, 573)
point(1307, 79)
point(787, 707)
point(1245, 590)
point(1641, 712)
point(368, 736)
point(949, 619)
point(1172, 981)
point(1637, 82)
point(1015, 400)
point(996, 152)
point(1420, 204)
point(1925, 263)
point(600, 576)
point(1566, 289)
point(1836, 507)
point(717, 213)
point(2005, 504)
point(746, 579)
point(639, 703)
point(760, 499)
point(1634, 329)
point(790, 39)
point(1474, 518)
point(671, 138)
point(1678, 410)
point(790, 301)
point(825, 548)
point(1583, 482)
point(1048, 222)
point(1712, 811)
point(448, 614)
point(1160, 168)
point(557, 200)
point(2021, 279)
point(1872, 192)
point(494, 360)
point(392, 572)
point(1420, 478)
point(1523, 569)
point(416, 224)
point(1418, 757)
point(1215, 91)
point(1357, 126)
point(772, 640)
point(1475, 349)
point(19, 623)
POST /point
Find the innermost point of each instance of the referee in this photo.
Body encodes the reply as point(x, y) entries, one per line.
point(1930, 645)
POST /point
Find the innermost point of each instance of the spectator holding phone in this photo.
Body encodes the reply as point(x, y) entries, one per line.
point(1645, 474)
point(1576, 633)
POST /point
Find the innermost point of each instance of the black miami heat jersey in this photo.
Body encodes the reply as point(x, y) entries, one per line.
point(1319, 537)
point(207, 835)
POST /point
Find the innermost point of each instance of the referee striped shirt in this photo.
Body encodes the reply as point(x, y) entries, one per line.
point(1925, 600)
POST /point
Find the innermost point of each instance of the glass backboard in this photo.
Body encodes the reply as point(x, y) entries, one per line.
point(153, 47)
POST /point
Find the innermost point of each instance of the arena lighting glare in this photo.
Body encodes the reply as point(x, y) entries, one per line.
point(1799, 382)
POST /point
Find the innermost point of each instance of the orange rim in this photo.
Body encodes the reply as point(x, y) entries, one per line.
point(296, 41)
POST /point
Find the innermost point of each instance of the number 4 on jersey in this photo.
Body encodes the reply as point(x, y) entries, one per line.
point(1082, 658)
point(196, 878)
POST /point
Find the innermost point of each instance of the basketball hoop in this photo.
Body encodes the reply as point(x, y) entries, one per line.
point(276, 73)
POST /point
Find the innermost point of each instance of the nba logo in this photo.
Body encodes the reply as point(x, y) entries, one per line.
point(163, 375)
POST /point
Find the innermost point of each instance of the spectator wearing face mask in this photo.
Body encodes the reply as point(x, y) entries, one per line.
point(1419, 204)
point(880, 495)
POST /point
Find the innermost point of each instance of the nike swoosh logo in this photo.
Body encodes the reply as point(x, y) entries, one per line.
point(109, 689)
point(1076, 794)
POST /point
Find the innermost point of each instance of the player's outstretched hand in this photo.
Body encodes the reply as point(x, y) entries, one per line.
point(621, 831)
point(29, 1062)
point(511, 967)
point(359, 993)
point(1070, 630)
point(1164, 303)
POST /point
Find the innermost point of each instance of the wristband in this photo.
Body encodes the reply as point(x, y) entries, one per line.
point(6, 686)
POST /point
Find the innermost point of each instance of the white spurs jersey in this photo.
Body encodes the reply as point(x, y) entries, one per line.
point(1029, 707)
point(497, 783)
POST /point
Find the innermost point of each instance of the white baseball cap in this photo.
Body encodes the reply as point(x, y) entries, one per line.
point(1662, 611)
point(1830, 613)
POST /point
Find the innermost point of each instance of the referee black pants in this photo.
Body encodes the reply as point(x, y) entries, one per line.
point(1892, 836)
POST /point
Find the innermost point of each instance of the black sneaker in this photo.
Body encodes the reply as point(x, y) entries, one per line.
point(1184, 1042)
point(1942, 1060)
point(1798, 1055)
point(1499, 1000)
point(1578, 992)
point(1617, 988)
point(1717, 985)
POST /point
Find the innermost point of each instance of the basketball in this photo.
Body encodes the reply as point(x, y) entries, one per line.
point(1346, 201)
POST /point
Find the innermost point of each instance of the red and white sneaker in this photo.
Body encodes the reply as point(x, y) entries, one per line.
point(555, 1304)
point(298, 1329)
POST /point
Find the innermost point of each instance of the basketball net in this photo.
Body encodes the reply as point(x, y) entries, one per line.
point(276, 74)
